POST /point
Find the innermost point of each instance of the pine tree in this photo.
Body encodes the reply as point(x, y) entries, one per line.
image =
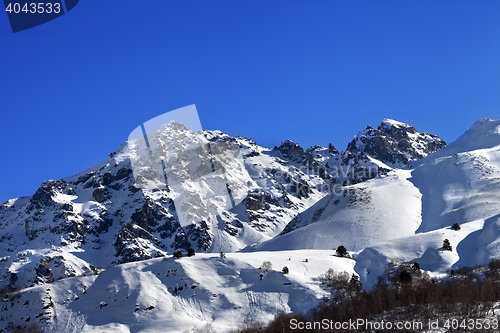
point(404, 277)
point(447, 245)
point(416, 267)
point(342, 252)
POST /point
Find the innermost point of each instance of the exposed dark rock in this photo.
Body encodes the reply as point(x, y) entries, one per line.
point(99, 195)
point(181, 241)
point(252, 154)
point(254, 202)
point(309, 160)
point(233, 227)
point(292, 151)
point(84, 178)
point(12, 279)
point(53, 219)
point(108, 178)
point(104, 224)
point(169, 227)
point(43, 196)
point(75, 230)
point(200, 233)
point(95, 180)
point(300, 189)
point(116, 186)
point(394, 143)
point(292, 225)
point(126, 244)
point(332, 150)
point(43, 272)
point(133, 189)
point(259, 200)
point(67, 207)
point(145, 217)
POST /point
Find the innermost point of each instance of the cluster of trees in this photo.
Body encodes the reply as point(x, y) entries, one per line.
point(207, 328)
point(178, 254)
point(267, 266)
point(403, 293)
point(342, 252)
point(398, 271)
point(31, 328)
point(341, 284)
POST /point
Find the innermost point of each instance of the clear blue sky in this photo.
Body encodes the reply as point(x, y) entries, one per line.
point(314, 72)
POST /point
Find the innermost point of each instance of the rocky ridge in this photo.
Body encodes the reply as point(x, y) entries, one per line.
point(395, 143)
point(102, 217)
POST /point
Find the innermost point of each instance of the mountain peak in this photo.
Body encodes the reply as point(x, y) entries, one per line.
point(486, 125)
point(292, 150)
point(388, 123)
point(394, 143)
point(484, 133)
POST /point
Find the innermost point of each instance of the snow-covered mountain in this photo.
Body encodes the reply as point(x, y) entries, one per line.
point(371, 212)
point(459, 184)
point(361, 215)
point(394, 143)
point(407, 213)
point(393, 193)
point(101, 217)
point(104, 216)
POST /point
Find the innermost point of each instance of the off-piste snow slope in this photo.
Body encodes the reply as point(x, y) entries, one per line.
point(459, 184)
point(407, 212)
point(93, 252)
point(168, 295)
point(104, 217)
point(371, 212)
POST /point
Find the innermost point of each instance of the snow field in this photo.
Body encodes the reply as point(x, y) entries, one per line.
point(167, 295)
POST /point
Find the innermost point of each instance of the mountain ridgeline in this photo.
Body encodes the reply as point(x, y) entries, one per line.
point(102, 217)
point(104, 250)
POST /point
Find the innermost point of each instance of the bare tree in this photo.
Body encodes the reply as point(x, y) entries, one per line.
point(266, 266)
point(207, 328)
point(31, 328)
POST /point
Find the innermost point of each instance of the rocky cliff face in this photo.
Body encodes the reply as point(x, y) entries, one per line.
point(394, 143)
point(391, 146)
point(104, 216)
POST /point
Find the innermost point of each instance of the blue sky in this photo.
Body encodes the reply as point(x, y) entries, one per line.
point(314, 72)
